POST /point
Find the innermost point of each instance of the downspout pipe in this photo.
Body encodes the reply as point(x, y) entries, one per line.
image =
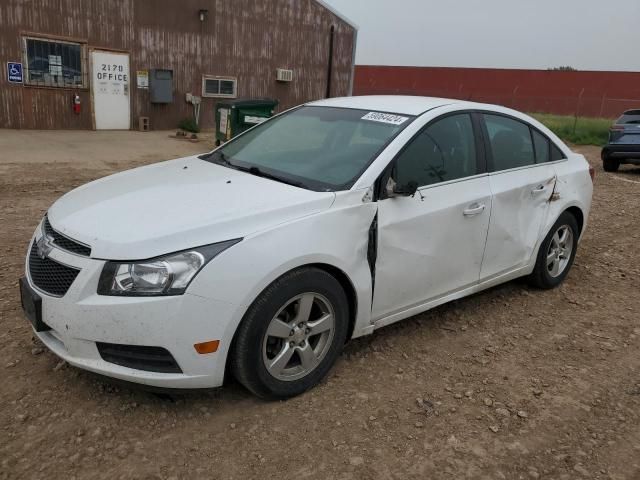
point(330, 66)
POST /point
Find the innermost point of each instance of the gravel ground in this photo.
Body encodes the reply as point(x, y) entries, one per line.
point(512, 383)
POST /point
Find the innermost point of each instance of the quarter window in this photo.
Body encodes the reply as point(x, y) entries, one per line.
point(556, 153)
point(218, 87)
point(442, 152)
point(542, 146)
point(53, 63)
point(510, 142)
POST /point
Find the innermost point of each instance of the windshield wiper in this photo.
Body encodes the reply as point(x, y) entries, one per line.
point(222, 159)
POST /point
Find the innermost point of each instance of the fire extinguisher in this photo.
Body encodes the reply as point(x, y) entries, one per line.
point(76, 104)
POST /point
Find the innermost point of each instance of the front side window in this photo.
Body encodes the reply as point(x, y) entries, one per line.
point(319, 148)
point(444, 151)
point(53, 63)
point(510, 142)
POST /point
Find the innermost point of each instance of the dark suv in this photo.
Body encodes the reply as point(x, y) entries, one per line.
point(624, 142)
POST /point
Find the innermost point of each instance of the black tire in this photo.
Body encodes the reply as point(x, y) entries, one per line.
point(541, 277)
point(247, 361)
point(610, 164)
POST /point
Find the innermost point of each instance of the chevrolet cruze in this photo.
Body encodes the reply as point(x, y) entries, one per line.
point(263, 257)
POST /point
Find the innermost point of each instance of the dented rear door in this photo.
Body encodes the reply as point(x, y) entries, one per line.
point(520, 205)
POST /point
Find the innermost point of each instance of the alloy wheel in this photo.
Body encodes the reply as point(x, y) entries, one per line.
point(560, 250)
point(298, 337)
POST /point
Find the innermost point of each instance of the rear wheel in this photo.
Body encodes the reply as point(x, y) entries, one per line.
point(610, 164)
point(291, 335)
point(556, 253)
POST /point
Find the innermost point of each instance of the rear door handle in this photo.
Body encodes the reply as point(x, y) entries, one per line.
point(474, 209)
point(539, 189)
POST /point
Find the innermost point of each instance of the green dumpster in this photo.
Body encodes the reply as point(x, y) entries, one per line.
point(235, 116)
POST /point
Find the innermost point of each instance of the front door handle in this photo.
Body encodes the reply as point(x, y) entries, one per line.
point(539, 189)
point(474, 209)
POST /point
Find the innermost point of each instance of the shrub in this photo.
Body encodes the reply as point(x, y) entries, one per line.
point(189, 125)
point(584, 131)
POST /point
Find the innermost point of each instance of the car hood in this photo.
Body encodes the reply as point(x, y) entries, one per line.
point(176, 205)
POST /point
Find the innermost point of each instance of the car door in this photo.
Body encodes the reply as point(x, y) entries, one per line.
point(431, 244)
point(521, 185)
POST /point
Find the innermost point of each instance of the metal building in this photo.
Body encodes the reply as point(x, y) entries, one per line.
point(98, 64)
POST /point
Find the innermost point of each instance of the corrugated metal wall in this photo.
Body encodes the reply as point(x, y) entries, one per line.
point(589, 94)
point(247, 39)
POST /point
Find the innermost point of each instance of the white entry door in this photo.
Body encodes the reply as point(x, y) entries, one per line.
point(110, 90)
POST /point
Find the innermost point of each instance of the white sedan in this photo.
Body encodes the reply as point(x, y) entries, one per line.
point(325, 223)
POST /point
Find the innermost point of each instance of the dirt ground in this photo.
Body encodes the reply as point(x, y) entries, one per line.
point(512, 383)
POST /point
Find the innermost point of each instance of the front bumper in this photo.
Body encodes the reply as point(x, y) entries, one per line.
point(81, 319)
point(631, 153)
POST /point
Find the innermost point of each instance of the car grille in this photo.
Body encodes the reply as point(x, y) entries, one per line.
point(150, 359)
point(65, 243)
point(48, 275)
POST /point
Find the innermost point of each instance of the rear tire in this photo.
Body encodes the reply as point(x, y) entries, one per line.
point(292, 334)
point(556, 254)
point(610, 164)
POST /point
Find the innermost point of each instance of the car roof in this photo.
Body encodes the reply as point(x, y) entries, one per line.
point(402, 104)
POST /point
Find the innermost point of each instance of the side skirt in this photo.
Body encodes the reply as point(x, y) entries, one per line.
point(410, 312)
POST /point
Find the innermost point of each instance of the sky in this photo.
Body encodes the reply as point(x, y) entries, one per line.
point(584, 34)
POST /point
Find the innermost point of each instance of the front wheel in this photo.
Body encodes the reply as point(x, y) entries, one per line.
point(610, 164)
point(556, 253)
point(291, 335)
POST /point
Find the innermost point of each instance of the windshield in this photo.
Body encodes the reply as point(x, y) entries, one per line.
point(318, 148)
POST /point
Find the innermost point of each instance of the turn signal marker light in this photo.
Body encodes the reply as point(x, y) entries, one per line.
point(207, 347)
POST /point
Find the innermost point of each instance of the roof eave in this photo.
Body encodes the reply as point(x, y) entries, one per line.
point(338, 14)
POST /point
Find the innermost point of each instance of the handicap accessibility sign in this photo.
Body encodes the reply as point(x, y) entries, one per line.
point(14, 72)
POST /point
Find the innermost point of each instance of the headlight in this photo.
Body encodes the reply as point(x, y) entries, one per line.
point(167, 275)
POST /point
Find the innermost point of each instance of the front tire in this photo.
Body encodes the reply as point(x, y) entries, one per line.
point(556, 254)
point(292, 334)
point(610, 164)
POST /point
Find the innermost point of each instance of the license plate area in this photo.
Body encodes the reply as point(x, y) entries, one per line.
point(32, 306)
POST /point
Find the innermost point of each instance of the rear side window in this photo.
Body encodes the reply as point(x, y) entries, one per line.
point(542, 146)
point(630, 117)
point(510, 142)
point(444, 151)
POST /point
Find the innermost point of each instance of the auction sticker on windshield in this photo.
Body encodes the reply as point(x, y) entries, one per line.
point(385, 118)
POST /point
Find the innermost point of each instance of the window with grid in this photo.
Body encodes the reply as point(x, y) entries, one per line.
point(54, 63)
point(218, 87)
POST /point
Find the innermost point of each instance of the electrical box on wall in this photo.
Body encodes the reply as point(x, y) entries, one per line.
point(161, 85)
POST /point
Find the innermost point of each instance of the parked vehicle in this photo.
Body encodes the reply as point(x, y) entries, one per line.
point(624, 142)
point(264, 256)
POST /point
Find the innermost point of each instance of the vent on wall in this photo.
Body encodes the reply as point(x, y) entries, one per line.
point(283, 75)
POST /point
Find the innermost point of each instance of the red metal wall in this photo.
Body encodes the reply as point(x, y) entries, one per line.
point(591, 94)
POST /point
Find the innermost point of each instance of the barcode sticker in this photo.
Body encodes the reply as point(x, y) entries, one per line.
point(385, 118)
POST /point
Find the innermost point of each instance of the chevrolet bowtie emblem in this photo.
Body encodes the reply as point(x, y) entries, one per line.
point(44, 246)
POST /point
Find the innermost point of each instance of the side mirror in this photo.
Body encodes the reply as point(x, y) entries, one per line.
point(395, 190)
